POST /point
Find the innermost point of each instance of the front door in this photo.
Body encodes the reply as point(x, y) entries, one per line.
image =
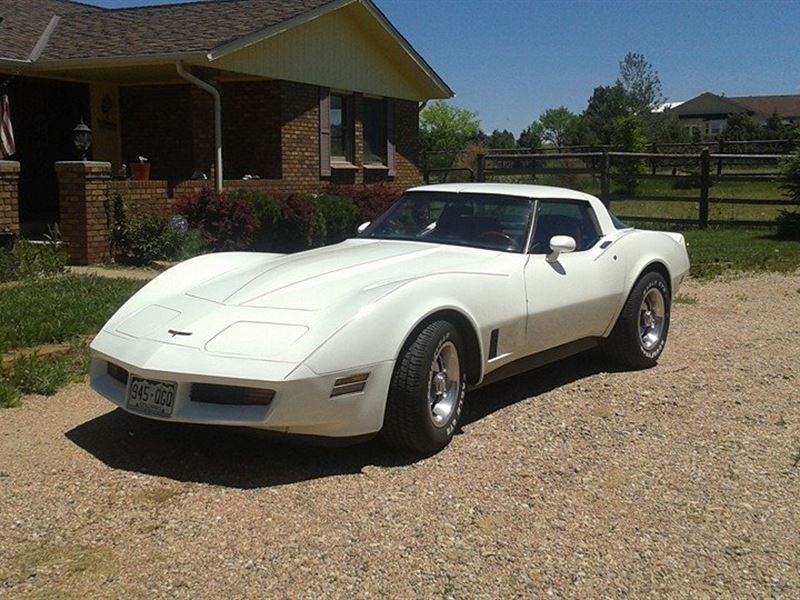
point(577, 295)
point(44, 113)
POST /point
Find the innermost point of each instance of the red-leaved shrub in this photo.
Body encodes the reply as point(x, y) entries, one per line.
point(370, 200)
point(299, 225)
point(226, 223)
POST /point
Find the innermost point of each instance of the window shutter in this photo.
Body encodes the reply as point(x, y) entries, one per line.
point(390, 137)
point(324, 132)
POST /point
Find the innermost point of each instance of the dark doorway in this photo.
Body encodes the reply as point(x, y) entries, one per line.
point(44, 113)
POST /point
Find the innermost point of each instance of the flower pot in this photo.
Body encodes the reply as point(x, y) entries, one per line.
point(140, 171)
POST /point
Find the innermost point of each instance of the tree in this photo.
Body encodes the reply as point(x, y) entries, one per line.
point(558, 125)
point(776, 129)
point(531, 136)
point(742, 127)
point(607, 103)
point(641, 83)
point(790, 177)
point(445, 131)
point(664, 127)
point(627, 135)
point(500, 139)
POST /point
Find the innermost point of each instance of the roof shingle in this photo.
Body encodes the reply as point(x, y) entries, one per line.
point(786, 106)
point(91, 32)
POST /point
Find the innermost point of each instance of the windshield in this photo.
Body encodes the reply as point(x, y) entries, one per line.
point(478, 220)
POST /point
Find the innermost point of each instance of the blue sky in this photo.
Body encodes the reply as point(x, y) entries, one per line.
point(511, 59)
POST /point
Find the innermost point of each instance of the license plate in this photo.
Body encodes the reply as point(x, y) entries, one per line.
point(151, 397)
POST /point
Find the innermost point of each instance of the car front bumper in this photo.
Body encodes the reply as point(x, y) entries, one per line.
point(302, 403)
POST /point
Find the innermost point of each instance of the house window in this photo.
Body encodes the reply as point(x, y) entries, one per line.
point(374, 131)
point(341, 129)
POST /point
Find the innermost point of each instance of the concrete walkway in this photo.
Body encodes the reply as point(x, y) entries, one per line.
point(144, 273)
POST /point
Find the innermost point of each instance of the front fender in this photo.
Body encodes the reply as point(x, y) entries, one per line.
point(378, 331)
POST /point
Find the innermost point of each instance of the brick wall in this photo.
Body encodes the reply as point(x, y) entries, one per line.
point(156, 122)
point(9, 198)
point(269, 129)
point(300, 136)
point(251, 129)
point(406, 123)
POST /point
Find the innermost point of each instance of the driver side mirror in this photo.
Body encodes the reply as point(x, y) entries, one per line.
point(560, 244)
point(363, 226)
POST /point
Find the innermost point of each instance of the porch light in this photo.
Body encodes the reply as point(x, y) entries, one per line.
point(82, 138)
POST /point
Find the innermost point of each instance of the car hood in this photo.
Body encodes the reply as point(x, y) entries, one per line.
point(282, 307)
point(317, 279)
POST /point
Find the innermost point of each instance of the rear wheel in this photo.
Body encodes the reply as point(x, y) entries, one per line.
point(426, 395)
point(641, 331)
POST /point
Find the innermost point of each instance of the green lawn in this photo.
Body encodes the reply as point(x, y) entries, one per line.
point(717, 251)
point(59, 309)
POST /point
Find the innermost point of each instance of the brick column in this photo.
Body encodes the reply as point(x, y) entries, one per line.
point(9, 199)
point(82, 191)
point(358, 137)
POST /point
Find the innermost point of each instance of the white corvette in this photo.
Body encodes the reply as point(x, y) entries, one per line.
point(454, 287)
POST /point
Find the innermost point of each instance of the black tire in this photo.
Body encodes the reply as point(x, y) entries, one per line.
point(625, 344)
point(409, 422)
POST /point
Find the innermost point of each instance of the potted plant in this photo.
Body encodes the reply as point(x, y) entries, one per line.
point(140, 171)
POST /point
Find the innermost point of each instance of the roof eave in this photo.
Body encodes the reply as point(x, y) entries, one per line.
point(119, 61)
point(447, 91)
point(13, 63)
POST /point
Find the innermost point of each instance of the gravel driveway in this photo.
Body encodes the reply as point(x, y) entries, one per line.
point(570, 481)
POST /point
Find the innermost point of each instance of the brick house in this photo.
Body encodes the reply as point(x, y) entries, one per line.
point(290, 94)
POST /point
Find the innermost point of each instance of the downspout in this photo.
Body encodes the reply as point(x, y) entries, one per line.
point(218, 179)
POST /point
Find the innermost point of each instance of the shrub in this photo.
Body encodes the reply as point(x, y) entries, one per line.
point(146, 238)
point(28, 260)
point(9, 395)
point(299, 226)
point(338, 217)
point(369, 200)
point(192, 243)
point(268, 212)
point(788, 225)
point(790, 176)
point(226, 222)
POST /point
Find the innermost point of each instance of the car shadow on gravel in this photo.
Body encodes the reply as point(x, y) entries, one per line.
point(248, 459)
point(492, 398)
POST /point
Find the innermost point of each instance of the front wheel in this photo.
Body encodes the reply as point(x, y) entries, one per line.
point(426, 394)
point(641, 331)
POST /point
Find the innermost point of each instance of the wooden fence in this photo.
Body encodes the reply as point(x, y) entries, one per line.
point(618, 177)
point(715, 146)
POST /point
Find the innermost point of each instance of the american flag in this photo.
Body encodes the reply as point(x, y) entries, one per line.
point(7, 145)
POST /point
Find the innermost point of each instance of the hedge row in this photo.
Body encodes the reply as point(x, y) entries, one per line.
point(253, 220)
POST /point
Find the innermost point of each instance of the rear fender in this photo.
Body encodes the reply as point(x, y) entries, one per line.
point(649, 248)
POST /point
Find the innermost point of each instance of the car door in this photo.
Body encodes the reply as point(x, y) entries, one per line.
point(577, 295)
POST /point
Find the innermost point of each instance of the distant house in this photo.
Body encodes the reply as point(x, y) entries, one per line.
point(310, 91)
point(707, 114)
